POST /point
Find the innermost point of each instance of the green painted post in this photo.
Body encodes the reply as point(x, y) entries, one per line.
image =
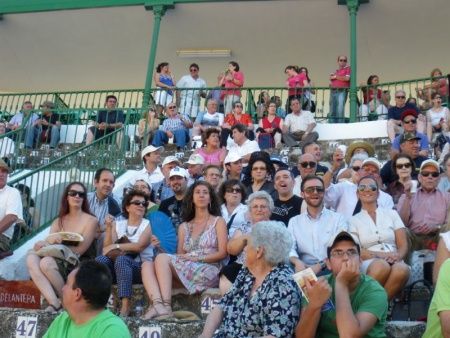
point(158, 11)
point(353, 6)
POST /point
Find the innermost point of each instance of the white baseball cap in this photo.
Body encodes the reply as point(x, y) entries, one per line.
point(232, 157)
point(170, 159)
point(151, 149)
point(196, 159)
point(177, 171)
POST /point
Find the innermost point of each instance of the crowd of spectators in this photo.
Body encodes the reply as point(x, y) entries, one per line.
point(243, 220)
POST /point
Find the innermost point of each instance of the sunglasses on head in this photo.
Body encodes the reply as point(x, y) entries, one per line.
point(73, 193)
point(371, 187)
point(311, 190)
point(306, 164)
point(403, 165)
point(143, 203)
point(428, 173)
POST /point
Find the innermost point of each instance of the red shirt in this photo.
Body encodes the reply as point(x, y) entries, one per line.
point(231, 120)
point(296, 81)
point(345, 71)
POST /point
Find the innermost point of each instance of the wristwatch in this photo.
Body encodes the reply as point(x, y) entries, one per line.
point(118, 246)
point(323, 265)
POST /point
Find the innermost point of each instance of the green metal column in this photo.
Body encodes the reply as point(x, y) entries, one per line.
point(353, 6)
point(158, 11)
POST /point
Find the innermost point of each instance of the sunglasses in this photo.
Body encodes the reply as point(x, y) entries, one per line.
point(239, 106)
point(428, 173)
point(193, 70)
point(403, 165)
point(343, 60)
point(234, 190)
point(413, 121)
point(172, 107)
point(143, 203)
point(259, 169)
point(306, 164)
point(73, 193)
point(310, 190)
point(152, 110)
point(356, 168)
point(400, 97)
point(371, 187)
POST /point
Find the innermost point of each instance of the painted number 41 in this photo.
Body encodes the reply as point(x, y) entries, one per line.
point(26, 327)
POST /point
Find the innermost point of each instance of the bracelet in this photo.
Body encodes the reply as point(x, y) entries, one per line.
point(201, 258)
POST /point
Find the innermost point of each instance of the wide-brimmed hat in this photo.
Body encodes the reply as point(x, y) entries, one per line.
point(359, 144)
point(3, 165)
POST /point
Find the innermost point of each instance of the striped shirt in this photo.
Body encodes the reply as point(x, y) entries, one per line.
point(174, 123)
point(100, 208)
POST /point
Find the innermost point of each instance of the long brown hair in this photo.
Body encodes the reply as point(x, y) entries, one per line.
point(64, 208)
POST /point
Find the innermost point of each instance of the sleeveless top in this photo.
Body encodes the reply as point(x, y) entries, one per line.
point(436, 116)
point(167, 81)
point(274, 124)
point(213, 158)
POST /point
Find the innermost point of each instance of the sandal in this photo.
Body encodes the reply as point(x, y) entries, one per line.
point(56, 310)
point(154, 313)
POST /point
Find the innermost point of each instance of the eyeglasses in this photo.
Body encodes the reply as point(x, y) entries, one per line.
point(260, 207)
point(193, 70)
point(428, 173)
point(350, 253)
point(259, 169)
point(143, 203)
point(172, 107)
point(403, 165)
point(239, 106)
point(413, 121)
point(356, 168)
point(400, 97)
point(371, 187)
point(368, 170)
point(342, 60)
point(310, 190)
point(73, 193)
point(306, 164)
point(234, 190)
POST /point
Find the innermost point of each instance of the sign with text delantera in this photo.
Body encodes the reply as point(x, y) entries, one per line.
point(19, 294)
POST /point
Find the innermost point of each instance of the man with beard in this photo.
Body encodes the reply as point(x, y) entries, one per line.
point(287, 205)
point(162, 188)
point(172, 206)
point(312, 229)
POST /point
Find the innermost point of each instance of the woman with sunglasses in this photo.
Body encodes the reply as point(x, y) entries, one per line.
point(260, 174)
point(271, 124)
point(49, 274)
point(236, 117)
point(202, 242)
point(261, 206)
point(233, 193)
point(438, 117)
point(147, 126)
point(403, 166)
point(126, 269)
point(383, 239)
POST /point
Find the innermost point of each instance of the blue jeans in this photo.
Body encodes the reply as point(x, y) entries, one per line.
point(181, 137)
point(32, 136)
point(338, 99)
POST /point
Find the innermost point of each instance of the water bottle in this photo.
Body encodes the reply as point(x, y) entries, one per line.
point(140, 308)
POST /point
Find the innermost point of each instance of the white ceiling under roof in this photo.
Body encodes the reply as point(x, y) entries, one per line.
point(108, 48)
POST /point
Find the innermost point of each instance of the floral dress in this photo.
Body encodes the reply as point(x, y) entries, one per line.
point(198, 276)
point(274, 308)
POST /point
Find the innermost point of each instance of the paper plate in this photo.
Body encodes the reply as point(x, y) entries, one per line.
point(162, 227)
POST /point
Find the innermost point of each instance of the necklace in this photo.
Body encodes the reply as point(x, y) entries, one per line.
point(133, 233)
point(194, 243)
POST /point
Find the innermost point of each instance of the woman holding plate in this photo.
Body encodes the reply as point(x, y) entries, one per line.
point(48, 273)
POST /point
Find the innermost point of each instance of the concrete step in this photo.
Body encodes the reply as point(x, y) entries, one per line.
point(37, 320)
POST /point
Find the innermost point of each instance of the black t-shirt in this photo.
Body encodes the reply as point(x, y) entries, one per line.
point(52, 119)
point(285, 210)
point(172, 208)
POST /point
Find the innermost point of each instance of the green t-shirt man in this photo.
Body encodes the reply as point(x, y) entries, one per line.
point(105, 325)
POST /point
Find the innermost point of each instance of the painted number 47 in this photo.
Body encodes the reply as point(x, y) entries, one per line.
point(208, 304)
point(26, 327)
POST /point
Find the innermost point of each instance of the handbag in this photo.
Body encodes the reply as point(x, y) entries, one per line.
point(57, 251)
point(113, 254)
point(413, 309)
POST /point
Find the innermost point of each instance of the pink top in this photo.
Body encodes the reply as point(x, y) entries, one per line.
point(213, 158)
point(230, 84)
point(368, 95)
point(296, 81)
point(443, 86)
point(345, 71)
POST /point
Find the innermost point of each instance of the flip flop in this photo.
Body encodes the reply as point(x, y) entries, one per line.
point(56, 310)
